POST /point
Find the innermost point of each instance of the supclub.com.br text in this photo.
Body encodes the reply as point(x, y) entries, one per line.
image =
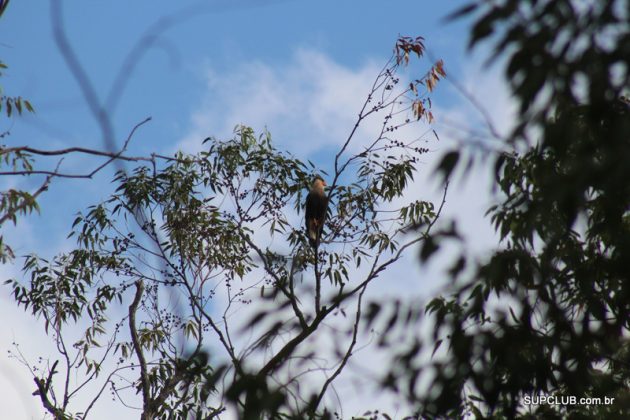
point(566, 400)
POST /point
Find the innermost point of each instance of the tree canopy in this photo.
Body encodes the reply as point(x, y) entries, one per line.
point(547, 313)
point(193, 290)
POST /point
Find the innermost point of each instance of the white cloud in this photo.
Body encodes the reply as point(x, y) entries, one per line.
point(309, 104)
point(16, 384)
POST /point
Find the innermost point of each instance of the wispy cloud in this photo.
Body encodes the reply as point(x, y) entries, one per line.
point(307, 105)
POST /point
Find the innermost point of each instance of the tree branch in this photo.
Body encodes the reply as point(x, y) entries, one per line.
point(56, 174)
point(144, 378)
point(292, 298)
point(79, 73)
point(345, 358)
point(10, 214)
point(43, 387)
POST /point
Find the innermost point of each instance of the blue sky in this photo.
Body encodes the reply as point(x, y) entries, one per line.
point(206, 40)
point(168, 81)
point(298, 68)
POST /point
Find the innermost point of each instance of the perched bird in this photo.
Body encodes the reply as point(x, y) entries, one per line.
point(316, 203)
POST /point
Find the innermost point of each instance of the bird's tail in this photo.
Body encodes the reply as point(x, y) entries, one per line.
point(313, 234)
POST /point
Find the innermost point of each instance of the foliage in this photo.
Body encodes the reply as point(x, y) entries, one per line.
point(193, 287)
point(14, 202)
point(548, 312)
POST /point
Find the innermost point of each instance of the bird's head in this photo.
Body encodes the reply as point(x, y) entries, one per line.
point(318, 183)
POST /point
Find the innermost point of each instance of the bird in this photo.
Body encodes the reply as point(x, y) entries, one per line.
point(316, 204)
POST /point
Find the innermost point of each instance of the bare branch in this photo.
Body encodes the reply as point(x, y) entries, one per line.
point(89, 92)
point(144, 378)
point(43, 389)
point(473, 101)
point(347, 355)
point(56, 174)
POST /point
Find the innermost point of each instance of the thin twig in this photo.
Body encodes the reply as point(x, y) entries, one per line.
point(346, 357)
point(473, 101)
point(318, 278)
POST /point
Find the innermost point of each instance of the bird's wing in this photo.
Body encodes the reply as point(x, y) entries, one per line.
point(308, 211)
